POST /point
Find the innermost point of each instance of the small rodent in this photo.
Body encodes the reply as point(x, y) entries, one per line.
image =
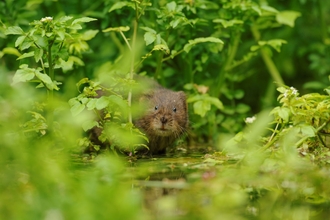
point(165, 119)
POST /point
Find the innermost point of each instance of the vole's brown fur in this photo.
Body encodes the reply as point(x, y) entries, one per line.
point(165, 118)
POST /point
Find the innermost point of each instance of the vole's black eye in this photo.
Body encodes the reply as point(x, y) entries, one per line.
point(174, 109)
point(156, 107)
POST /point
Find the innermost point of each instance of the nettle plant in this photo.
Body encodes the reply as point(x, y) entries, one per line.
point(49, 44)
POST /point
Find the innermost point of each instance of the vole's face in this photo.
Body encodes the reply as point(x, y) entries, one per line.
point(168, 113)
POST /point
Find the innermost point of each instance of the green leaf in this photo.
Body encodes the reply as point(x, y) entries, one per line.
point(229, 23)
point(147, 29)
point(91, 104)
point(77, 107)
point(61, 34)
point(149, 38)
point(65, 19)
point(75, 27)
point(87, 125)
point(214, 101)
point(26, 44)
point(25, 55)
point(161, 47)
point(171, 6)
point(192, 43)
point(204, 103)
point(38, 54)
point(19, 40)
point(83, 20)
point(117, 29)
point(47, 81)
point(14, 30)
point(308, 130)
point(121, 4)
point(88, 35)
point(275, 43)
point(102, 103)
point(287, 17)
point(23, 74)
point(201, 107)
point(284, 113)
point(12, 51)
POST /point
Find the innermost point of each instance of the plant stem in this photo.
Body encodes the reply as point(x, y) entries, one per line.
point(50, 92)
point(323, 24)
point(126, 41)
point(230, 57)
point(272, 69)
point(131, 75)
point(301, 141)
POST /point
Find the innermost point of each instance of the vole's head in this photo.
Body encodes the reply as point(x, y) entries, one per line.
point(167, 113)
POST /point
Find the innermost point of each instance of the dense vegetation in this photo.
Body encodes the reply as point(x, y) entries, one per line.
point(256, 77)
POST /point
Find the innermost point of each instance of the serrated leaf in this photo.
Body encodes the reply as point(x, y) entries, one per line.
point(121, 4)
point(91, 104)
point(88, 35)
point(77, 108)
point(75, 27)
point(215, 101)
point(171, 6)
point(65, 19)
point(284, 113)
point(192, 43)
point(147, 29)
point(19, 40)
point(287, 17)
point(14, 30)
point(38, 54)
point(149, 38)
point(25, 55)
point(201, 107)
point(308, 130)
point(102, 103)
point(83, 20)
point(26, 44)
point(23, 75)
point(269, 9)
point(161, 47)
point(117, 29)
point(46, 80)
point(61, 34)
point(229, 23)
point(275, 43)
point(87, 125)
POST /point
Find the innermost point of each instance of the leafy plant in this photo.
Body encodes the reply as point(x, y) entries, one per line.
point(53, 44)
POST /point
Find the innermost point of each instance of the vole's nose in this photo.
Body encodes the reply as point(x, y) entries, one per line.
point(163, 120)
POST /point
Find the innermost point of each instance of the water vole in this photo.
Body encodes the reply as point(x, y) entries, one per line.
point(165, 119)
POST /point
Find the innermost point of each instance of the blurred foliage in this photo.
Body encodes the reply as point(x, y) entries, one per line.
point(228, 56)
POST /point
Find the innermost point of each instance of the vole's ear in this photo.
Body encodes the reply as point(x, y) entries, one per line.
point(182, 95)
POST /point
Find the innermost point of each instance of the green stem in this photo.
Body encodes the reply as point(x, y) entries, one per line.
point(133, 48)
point(159, 72)
point(172, 56)
point(50, 92)
point(322, 21)
point(302, 140)
point(126, 41)
point(232, 50)
point(272, 69)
